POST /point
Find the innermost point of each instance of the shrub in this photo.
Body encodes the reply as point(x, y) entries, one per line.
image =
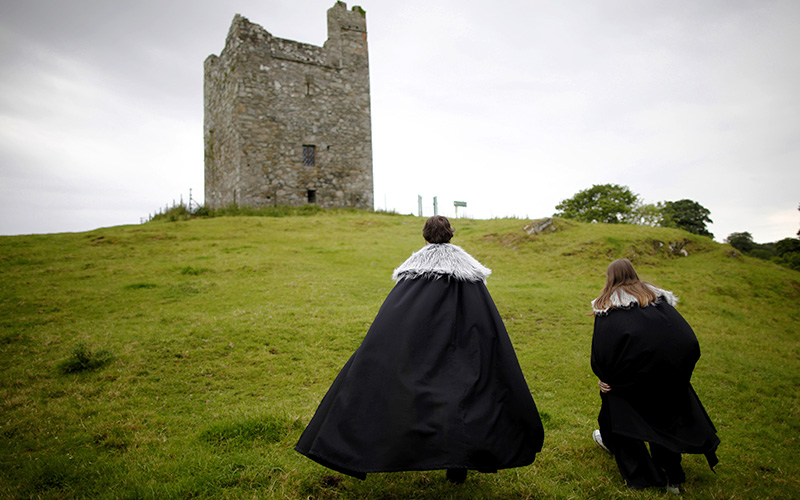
point(83, 359)
point(175, 213)
point(201, 211)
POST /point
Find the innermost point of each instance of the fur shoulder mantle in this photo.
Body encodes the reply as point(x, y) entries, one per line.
point(442, 259)
point(623, 300)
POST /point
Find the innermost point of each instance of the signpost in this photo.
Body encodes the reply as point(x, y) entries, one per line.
point(457, 204)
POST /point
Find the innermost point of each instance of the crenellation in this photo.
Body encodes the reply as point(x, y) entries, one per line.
point(290, 50)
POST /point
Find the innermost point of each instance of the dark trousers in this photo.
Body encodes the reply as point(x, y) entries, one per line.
point(641, 469)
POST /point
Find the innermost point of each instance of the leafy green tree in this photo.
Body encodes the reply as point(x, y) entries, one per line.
point(787, 245)
point(649, 214)
point(688, 215)
point(788, 253)
point(741, 241)
point(610, 203)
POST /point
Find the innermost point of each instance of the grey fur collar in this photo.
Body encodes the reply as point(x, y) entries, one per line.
point(623, 300)
point(442, 259)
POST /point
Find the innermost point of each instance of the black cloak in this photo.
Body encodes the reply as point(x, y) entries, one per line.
point(647, 355)
point(435, 384)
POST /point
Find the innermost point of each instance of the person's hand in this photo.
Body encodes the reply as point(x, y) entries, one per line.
point(603, 386)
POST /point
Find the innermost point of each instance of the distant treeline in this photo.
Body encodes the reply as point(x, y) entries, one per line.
point(785, 252)
point(615, 204)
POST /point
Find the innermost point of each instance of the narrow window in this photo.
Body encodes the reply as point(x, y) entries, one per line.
point(309, 84)
point(312, 195)
point(309, 156)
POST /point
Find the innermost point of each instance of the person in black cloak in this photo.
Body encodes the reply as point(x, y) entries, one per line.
point(644, 352)
point(435, 384)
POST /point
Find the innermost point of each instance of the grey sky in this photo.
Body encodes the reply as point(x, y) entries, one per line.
point(511, 106)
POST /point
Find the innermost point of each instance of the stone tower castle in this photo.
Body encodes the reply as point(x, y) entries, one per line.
point(288, 123)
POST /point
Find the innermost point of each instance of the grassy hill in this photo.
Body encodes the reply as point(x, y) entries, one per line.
point(183, 359)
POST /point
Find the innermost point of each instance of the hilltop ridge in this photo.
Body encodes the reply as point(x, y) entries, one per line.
point(220, 335)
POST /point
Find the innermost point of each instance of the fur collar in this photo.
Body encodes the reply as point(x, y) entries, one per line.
point(441, 259)
point(623, 300)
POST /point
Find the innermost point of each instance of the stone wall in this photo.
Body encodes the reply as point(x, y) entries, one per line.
point(266, 98)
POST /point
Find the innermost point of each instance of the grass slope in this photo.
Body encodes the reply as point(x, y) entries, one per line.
point(202, 348)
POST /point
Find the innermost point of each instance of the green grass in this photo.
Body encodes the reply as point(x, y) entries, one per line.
point(220, 336)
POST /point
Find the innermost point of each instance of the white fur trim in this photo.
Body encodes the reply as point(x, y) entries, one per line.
point(621, 299)
point(442, 259)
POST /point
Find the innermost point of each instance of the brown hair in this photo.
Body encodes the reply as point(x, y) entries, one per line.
point(437, 229)
point(622, 275)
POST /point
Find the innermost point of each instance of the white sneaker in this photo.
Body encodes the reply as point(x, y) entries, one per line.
point(675, 489)
point(599, 440)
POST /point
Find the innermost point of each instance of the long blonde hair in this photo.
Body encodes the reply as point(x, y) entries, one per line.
point(622, 276)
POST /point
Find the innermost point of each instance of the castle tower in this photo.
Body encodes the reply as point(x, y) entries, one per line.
point(288, 123)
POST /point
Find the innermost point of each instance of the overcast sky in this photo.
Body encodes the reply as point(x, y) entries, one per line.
point(511, 106)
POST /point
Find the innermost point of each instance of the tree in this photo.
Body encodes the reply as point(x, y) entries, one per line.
point(688, 215)
point(785, 252)
point(788, 253)
point(787, 245)
point(610, 203)
point(650, 214)
point(741, 241)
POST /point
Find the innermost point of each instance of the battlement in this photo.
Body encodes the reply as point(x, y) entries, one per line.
point(342, 19)
point(295, 51)
point(245, 35)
